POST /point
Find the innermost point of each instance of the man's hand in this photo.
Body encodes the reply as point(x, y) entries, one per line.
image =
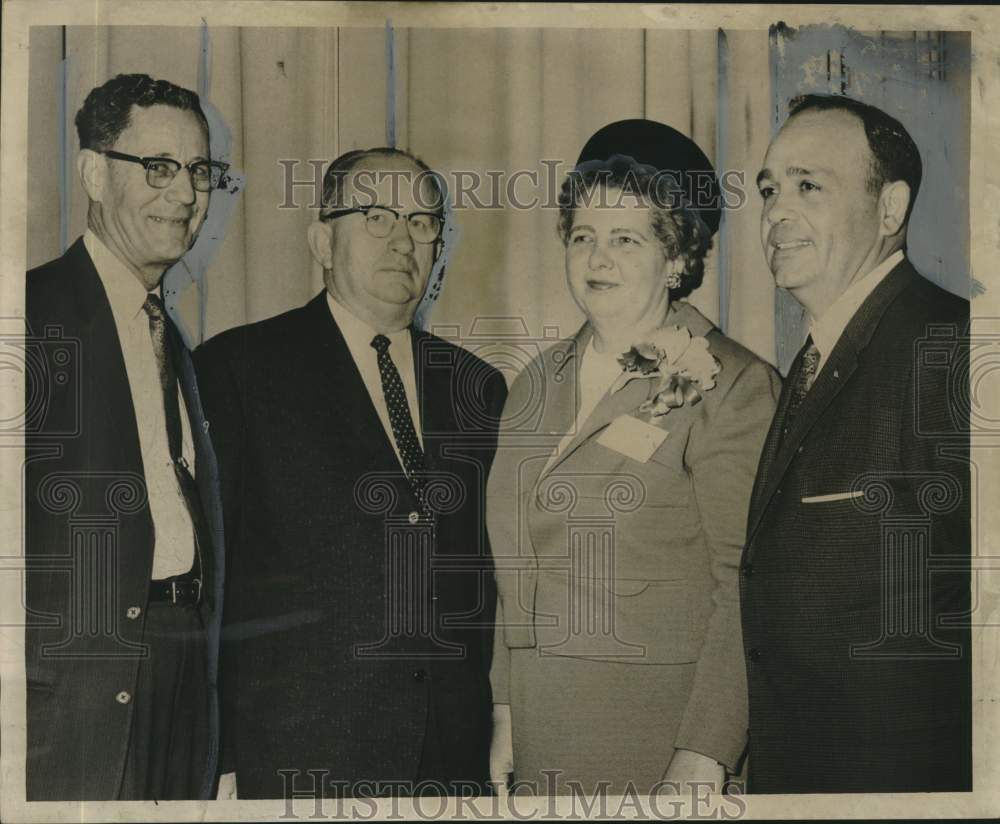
point(501, 749)
point(227, 787)
point(687, 765)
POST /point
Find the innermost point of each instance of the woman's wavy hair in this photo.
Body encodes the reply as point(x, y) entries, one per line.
point(680, 231)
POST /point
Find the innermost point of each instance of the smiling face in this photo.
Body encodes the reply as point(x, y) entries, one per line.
point(381, 280)
point(150, 229)
point(819, 224)
point(615, 266)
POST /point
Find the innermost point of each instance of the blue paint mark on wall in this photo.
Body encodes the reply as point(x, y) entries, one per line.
point(190, 271)
point(390, 85)
point(450, 237)
point(721, 141)
point(920, 78)
point(65, 154)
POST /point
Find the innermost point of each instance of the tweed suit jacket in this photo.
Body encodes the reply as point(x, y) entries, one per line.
point(855, 584)
point(347, 620)
point(670, 530)
point(85, 511)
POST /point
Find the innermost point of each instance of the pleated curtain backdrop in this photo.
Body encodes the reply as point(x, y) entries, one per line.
point(478, 100)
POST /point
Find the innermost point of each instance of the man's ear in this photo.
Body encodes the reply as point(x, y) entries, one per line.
point(320, 235)
point(93, 173)
point(893, 203)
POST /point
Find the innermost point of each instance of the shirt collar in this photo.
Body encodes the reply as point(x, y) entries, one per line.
point(125, 293)
point(827, 329)
point(359, 334)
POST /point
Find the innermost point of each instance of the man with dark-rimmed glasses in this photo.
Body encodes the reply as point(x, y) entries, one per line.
point(353, 453)
point(122, 542)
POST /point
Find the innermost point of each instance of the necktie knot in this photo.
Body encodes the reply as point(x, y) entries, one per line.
point(154, 307)
point(380, 343)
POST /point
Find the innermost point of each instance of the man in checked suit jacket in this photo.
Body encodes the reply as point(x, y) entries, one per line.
point(353, 453)
point(855, 582)
point(121, 546)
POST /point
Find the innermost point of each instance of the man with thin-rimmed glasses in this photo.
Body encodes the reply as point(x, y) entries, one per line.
point(122, 543)
point(353, 454)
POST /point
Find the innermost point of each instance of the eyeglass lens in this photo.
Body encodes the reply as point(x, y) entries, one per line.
point(424, 228)
point(204, 176)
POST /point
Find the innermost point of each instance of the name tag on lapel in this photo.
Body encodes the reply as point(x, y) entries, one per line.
point(633, 438)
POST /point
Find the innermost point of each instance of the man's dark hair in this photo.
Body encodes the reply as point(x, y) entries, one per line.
point(894, 154)
point(106, 112)
point(337, 171)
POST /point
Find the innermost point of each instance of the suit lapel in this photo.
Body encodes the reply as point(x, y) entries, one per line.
point(625, 400)
point(335, 375)
point(837, 371)
point(111, 435)
point(110, 408)
point(434, 394)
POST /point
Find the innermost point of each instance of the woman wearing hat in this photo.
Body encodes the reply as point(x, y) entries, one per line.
point(619, 493)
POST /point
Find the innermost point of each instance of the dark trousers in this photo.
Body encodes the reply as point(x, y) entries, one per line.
point(168, 748)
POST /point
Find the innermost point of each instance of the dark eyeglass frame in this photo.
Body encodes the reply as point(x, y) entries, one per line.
point(364, 210)
point(147, 164)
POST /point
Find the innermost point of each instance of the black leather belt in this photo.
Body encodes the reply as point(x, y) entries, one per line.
point(183, 591)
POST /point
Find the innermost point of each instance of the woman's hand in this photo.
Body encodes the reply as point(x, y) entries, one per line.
point(501, 749)
point(687, 765)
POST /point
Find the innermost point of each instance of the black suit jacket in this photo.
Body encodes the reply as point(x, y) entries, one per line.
point(346, 623)
point(855, 607)
point(89, 536)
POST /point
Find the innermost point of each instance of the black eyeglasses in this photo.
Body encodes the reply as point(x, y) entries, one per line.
point(160, 171)
point(425, 227)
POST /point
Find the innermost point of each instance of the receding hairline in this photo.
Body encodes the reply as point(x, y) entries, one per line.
point(376, 162)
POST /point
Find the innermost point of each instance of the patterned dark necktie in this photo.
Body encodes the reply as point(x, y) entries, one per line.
point(806, 376)
point(157, 314)
point(403, 432)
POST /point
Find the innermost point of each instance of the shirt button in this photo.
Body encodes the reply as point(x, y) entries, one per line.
point(413, 517)
point(747, 570)
point(132, 613)
point(419, 675)
point(123, 697)
point(754, 654)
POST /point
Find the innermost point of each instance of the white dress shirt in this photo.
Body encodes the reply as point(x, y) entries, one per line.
point(174, 543)
point(358, 336)
point(827, 329)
